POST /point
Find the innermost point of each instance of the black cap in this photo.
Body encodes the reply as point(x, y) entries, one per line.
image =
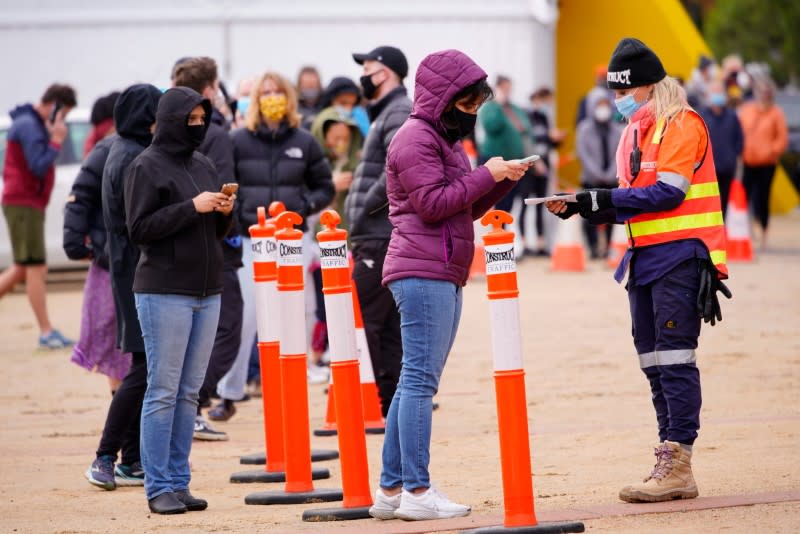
point(388, 55)
point(633, 64)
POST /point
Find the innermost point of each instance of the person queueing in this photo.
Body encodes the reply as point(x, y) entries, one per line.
point(134, 117)
point(177, 217)
point(200, 74)
point(668, 199)
point(434, 197)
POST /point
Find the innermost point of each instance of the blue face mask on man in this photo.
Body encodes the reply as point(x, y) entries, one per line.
point(718, 99)
point(627, 105)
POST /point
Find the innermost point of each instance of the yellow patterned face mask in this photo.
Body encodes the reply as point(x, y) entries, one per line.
point(273, 107)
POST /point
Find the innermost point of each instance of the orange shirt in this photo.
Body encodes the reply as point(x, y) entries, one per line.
point(765, 134)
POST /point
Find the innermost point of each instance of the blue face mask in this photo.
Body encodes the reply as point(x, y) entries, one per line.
point(627, 105)
point(718, 99)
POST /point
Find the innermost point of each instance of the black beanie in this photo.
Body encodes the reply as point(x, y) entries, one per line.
point(633, 65)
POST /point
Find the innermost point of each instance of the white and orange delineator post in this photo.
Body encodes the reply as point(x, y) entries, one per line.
point(509, 380)
point(265, 276)
point(737, 225)
point(294, 386)
point(336, 287)
point(371, 403)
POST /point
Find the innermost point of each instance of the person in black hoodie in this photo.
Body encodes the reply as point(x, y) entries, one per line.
point(200, 74)
point(85, 239)
point(177, 217)
point(134, 116)
point(275, 159)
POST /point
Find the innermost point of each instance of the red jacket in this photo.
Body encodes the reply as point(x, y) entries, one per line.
point(29, 170)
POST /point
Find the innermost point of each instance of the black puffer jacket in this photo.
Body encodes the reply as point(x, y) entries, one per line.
point(181, 248)
point(367, 205)
point(134, 114)
point(286, 165)
point(83, 213)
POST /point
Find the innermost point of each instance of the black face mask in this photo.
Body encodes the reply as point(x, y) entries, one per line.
point(369, 88)
point(196, 134)
point(459, 123)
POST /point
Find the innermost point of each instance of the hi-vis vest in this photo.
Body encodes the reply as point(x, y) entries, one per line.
point(699, 215)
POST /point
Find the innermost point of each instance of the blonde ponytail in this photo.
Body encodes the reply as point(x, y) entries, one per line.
point(669, 99)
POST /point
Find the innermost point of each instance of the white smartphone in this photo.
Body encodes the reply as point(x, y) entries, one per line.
point(529, 159)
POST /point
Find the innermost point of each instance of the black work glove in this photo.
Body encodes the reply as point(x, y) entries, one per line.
point(593, 200)
point(707, 302)
point(572, 208)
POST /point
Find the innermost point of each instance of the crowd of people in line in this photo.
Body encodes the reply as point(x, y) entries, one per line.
point(169, 302)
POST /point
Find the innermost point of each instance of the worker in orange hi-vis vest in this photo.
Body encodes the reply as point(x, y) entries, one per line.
point(668, 199)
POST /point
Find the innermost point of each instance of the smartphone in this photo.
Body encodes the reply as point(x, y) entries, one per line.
point(229, 189)
point(529, 159)
point(54, 113)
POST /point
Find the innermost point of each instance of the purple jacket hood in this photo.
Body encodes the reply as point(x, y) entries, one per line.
point(434, 195)
point(439, 77)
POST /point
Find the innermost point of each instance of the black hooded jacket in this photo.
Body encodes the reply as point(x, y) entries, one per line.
point(286, 165)
point(134, 114)
point(181, 248)
point(217, 147)
point(83, 213)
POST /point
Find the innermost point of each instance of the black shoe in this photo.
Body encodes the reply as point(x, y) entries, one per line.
point(166, 503)
point(193, 504)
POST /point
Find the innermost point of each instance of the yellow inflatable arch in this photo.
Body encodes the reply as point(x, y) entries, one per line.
point(587, 32)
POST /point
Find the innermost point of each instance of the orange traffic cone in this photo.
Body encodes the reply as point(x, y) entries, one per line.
point(478, 267)
point(617, 246)
point(737, 224)
point(568, 253)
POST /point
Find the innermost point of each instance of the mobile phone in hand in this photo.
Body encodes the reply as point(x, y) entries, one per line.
point(229, 189)
point(529, 159)
point(54, 114)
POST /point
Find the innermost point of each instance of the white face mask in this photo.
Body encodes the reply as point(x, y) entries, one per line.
point(602, 113)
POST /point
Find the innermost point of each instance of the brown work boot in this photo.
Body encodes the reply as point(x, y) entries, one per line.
point(671, 477)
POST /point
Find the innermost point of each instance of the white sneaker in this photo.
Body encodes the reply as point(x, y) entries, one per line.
point(430, 504)
point(318, 374)
point(384, 505)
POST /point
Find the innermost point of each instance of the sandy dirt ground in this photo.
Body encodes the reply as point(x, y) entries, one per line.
point(592, 425)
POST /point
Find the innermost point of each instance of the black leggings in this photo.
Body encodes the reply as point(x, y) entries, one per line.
point(121, 430)
point(757, 184)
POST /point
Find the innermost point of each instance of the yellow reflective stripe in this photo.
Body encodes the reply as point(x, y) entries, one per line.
point(718, 257)
point(708, 189)
point(673, 224)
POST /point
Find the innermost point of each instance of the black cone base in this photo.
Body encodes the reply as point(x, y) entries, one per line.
point(317, 455)
point(254, 476)
point(336, 514)
point(305, 497)
point(541, 528)
point(325, 432)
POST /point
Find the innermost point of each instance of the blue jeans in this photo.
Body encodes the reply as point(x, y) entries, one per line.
point(178, 334)
point(429, 314)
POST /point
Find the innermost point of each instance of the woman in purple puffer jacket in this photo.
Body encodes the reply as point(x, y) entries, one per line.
point(434, 196)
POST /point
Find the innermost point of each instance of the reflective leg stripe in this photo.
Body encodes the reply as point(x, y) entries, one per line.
point(667, 357)
point(647, 359)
